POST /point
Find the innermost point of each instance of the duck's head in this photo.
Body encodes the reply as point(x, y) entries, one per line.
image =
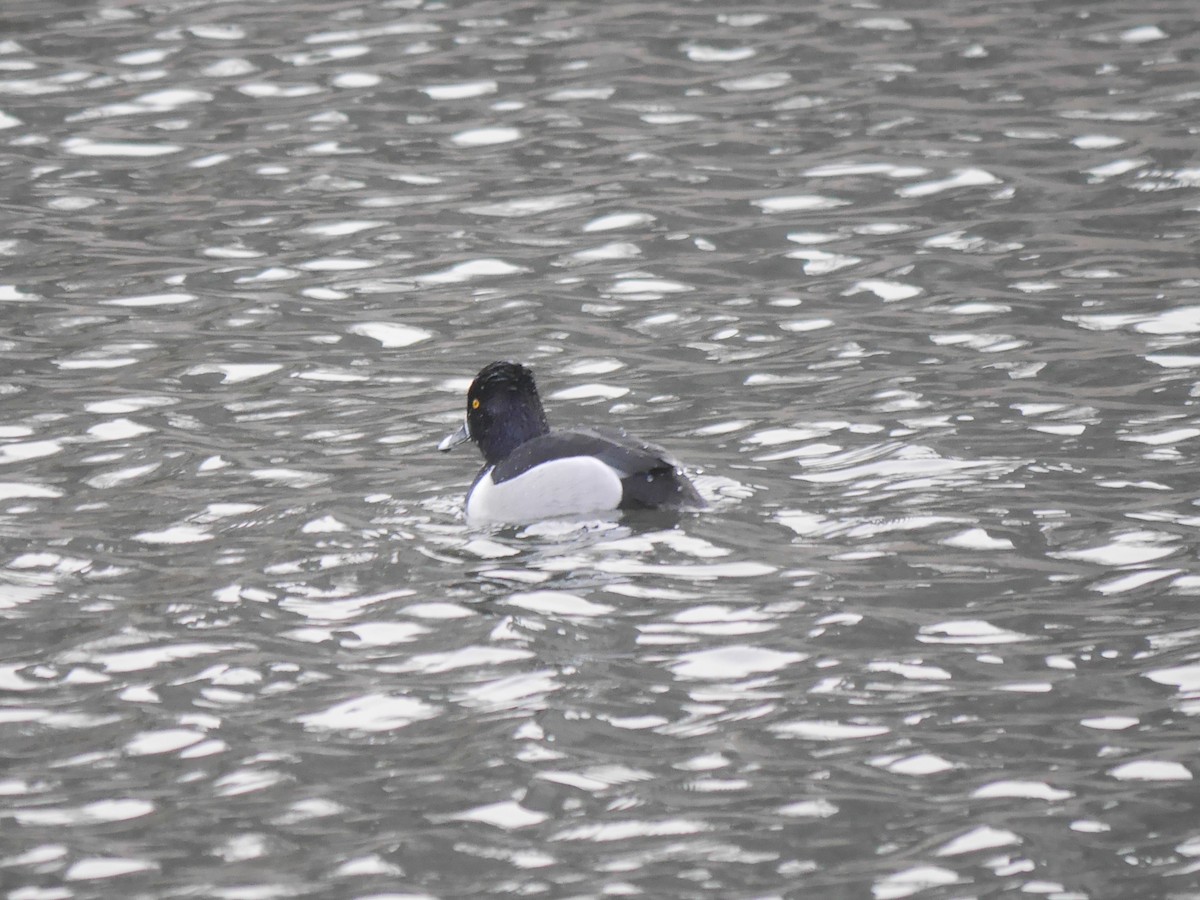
point(503, 411)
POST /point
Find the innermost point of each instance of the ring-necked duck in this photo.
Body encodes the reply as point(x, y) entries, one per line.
point(532, 473)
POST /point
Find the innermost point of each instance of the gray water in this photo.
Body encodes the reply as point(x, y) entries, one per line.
point(910, 287)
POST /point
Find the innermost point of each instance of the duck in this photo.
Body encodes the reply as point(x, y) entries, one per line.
point(532, 472)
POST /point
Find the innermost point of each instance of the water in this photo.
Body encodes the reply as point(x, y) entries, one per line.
point(912, 288)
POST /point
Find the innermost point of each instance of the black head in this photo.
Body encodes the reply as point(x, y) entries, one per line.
point(503, 410)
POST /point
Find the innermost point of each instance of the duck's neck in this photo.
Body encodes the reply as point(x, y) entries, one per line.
point(511, 429)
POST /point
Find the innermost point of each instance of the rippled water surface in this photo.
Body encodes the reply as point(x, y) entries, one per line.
point(911, 287)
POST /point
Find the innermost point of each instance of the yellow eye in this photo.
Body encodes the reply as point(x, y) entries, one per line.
point(475, 403)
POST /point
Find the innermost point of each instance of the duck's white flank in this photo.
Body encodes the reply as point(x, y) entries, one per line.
point(559, 487)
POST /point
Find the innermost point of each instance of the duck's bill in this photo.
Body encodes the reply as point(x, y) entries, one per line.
point(453, 440)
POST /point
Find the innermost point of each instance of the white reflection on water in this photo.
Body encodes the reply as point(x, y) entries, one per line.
point(369, 713)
